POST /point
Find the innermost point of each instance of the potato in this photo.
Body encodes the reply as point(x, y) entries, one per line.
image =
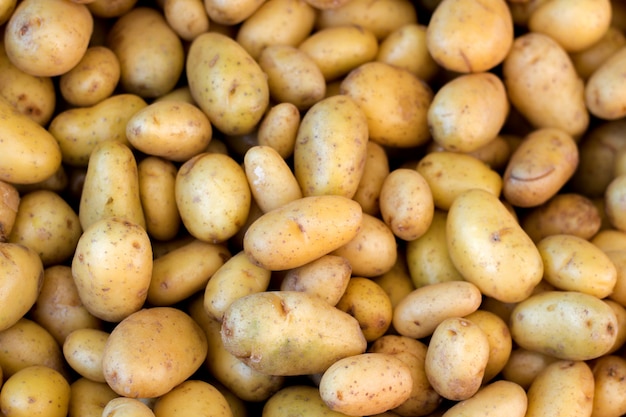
point(568, 325)
point(237, 103)
point(394, 101)
point(468, 112)
point(150, 53)
point(366, 384)
point(524, 365)
point(396, 282)
point(53, 48)
point(609, 240)
point(289, 333)
point(456, 358)
point(121, 407)
point(193, 397)
point(609, 374)
point(9, 203)
point(110, 8)
point(35, 390)
point(188, 18)
point(326, 4)
point(232, 12)
point(591, 58)
point(564, 387)
point(83, 350)
point(88, 398)
point(487, 245)
point(620, 314)
point(279, 127)
point(421, 311)
point(500, 398)
point(374, 174)
point(470, 36)
point(538, 74)
point(112, 268)
point(599, 90)
point(302, 400)
point(6, 10)
point(499, 338)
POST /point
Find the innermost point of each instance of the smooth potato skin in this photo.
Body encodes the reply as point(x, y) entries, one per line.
point(193, 396)
point(500, 399)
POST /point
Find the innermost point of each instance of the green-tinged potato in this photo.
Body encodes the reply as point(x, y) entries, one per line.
point(462, 172)
point(9, 203)
point(374, 174)
point(490, 249)
point(35, 391)
point(48, 225)
point(327, 276)
point(126, 407)
point(468, 112)
point(301, 231)
point(331, 147)
point(427, 257)
point(157, 180)
point(614, 202)
point(238, 101)
point(83, 350)
point(184, 271)
point(588, 60)
point(150, 53)
point(28, 152)
point(21, 280)
point(563, 388)
point(338, 50)
point(151, 351)
point(271, 180)
point(289, 333)
point(498, 399)
point(373, 250)
point(524, 365)
point(47, 38)
point(79, 130)
point(543, 85)
point(6, 10)
point(396, 282)
point(88, 398)
point(469, 35)
point(174, 130)
point(112, 268)
point(279, 128)
point(188, 18)
point(300, 400)
point(405, 47)
point(292, 76)
point(572, 263)
point(500, 341)
point(394, 101)
point(278, 22)
point(421, 311)
point(93, 79)
point(231, 12)
point(618, 258)
point(609, 375)
point(235, 279)
point(457, 355)
point(111, 186)
point(366, 384)
point(193, 398)
point(213, 196)
point(110, 8)
point(568, 325)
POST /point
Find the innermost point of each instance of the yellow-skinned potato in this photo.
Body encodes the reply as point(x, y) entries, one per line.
point(331, 148)
point(150, 53)
point(326, 4)
point(564, 387)
point(79, 130)
point(49, 49)
point(188, 18)
point(592, 57)
point(278, 22)
point(88, 398)
point(151, 351)
point(301, 400)
point(184, 271)
point(565, 324)
point(21, 281)
point(231, 12)
point(9, 203)
point(463, 172)
point(366, 384)
point(28, 153)
point(126, 407)
point(110, 8)
point(193, 397)
point(498, 399)
point(600, 95)
point(500, 341)
point(609, 240)
point(6, 10)
point(609, 374)
point(421, 311)
point(620, 314)
point(213, 196)
point(238, 407)
point(236, 103)
point(83, 350)
point(470, 36)
point(618, 258)
point(396, 282)
point(279, 128)
point(394, 101)
point(289, 333)
point(112, 268)
point(174, 130)
point(487, 245)
point(524, 365)
point(374, 174)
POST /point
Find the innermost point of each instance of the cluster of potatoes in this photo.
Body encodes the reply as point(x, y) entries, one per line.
point(312, 207)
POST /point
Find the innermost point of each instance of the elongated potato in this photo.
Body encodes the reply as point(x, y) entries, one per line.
point(297, 400)
point(193, 397)
point(609, 375)
point(498, 399)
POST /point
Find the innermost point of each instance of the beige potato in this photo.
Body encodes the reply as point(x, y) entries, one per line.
point(374, 174)
point(396, 282)
point(524, 365)
point(609, 240)
point(9, 203)
point(405, 47)
point(614, 202)
point(289, 333)
point(565, 324)
point(620, 314)
point(6, 10)
point(591, 58)
point(470, 36)
point(188, 18)
point(609, 374)
point(177, 94)
point(53, 48)
point(231, 12)
point(302, 400)
point(88, 398)
point(394, 101)
point(110, 8)
point(500, 398)
point(326, 4)
point(130, 407)
point(500, 341)
point(279, 128)
point(600, 96)
point(618, 258)
point(193, 397)
point(83, 350)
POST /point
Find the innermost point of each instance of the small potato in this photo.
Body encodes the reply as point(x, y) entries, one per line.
point(524, 365)
point(178, 94)
point(374, 174)
point(231, 12)
point(591, 58)
point(618, 258)
point(609, 240)
point(396, 282)
point(499, 399)
point(9, 203)
point(366, 384)
point(406, 48)
point(302, 400)
point(88, 398)
point(500, 341)
point(470, 36)
point(174, 130)
point(614, 204)
point(421, 311)
point(188, 18)
point(192, 397)
point(565, 324)
point(279, 127)
point(600, 96)
point(6, 10)
point(326, 4)
point(93, 79)
point(609, 375)
point(83, 350)
point(394, 101)
point(126, 407)
point(110, 8)
point(620, 314)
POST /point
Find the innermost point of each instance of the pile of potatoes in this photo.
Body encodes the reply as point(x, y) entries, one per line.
point(312, 208)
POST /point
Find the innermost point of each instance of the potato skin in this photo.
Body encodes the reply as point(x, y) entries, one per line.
point(195, 397)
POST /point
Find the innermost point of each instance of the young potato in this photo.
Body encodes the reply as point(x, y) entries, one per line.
point(568, 325)
point(543, 85)
point(279, 128)
point(609, 240)
point(53, 48)
point(618, 258)
point(614, 204)
point(9, 203)
point(289, 333)
point(498, 399)
point(231, 12)
point(237, 103)
point(157, 179)
point(88, 398)
point(600, 96)
point(396, 282)
point(470, 36)
point(6, 10)
point(126, 407)
point(83, 350)
point(609, 374)
point(301, 400)
point(394, 101)
point(620, 314)
point(405, 47)
point(468, 112)
point(188, 18)
point(374, 173)
point(592, 57)
point(500, 341)
point(110, 8)
point(524, 365)
point(326, 4)
point(193, 397)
